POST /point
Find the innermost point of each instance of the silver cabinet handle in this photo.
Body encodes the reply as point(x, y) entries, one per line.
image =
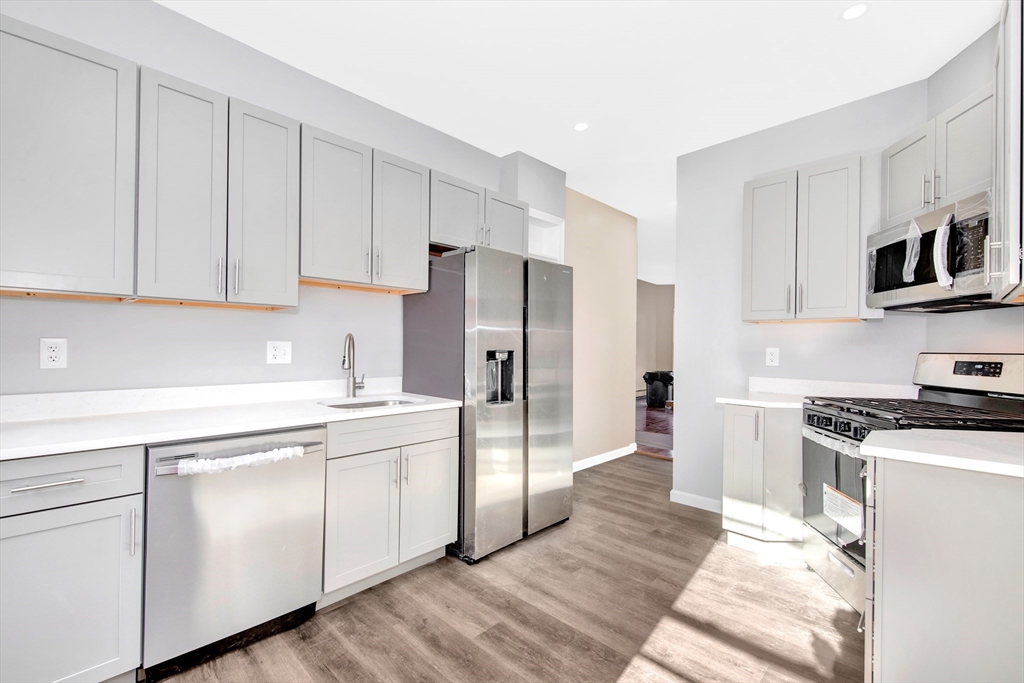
point(789, 297)
point(132, 532)
point(369, 261)
point(800, 298)
point(238, 263)
point(935, 193)
point(52, 484)
point(489, 234)
point(988, 258)
point(860, 624)
point(757, 426)
point(408, 463)
point(378, 262)
point(483, 228)
point(922, 190)
point(220, 274)
point(398, 467)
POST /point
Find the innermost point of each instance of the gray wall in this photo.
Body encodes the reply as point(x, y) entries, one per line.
point(715, 353)
point(130, 346)
point(963, 74)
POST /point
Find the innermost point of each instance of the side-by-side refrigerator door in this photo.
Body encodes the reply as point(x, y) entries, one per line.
point(492, 503)
point(548, 480)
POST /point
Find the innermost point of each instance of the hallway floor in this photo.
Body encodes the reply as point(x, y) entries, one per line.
point(653, 430)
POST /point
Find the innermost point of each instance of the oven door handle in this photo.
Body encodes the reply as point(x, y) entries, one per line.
point(844, 447)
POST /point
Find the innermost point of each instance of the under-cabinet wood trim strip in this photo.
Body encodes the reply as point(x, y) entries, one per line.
point(67, 296)
point(310, 282)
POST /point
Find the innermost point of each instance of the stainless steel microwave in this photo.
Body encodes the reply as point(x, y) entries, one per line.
point(936, 263)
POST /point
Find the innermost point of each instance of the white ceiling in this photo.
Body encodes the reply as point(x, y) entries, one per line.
point(653, 79)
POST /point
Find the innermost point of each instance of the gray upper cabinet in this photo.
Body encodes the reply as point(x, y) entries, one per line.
point(456, 211)
point(769, 247)
point(1005, 229)
point(337, 203)
point(828, 241)
point(401, 222)
point(67, 164)
point(263, 206)
point(71, 592)
point(183, 166)
point(964, 145)
point(907, 168)
point(507, 223)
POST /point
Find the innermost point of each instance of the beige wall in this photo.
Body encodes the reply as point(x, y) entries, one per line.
point(654, 310)
point(600, 245)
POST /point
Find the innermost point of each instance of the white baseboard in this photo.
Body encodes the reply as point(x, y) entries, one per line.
point(695, 501)
point(603, 457)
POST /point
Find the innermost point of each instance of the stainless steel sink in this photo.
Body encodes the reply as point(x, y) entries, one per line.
point(362, 405)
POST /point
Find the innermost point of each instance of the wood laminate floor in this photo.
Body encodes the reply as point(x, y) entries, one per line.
point(632, 588)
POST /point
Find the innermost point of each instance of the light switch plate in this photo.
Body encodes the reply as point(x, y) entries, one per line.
point(53, 353)
point(771, 357)
point(279, 352)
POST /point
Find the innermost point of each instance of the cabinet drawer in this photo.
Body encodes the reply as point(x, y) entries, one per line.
point(379, 433)
point(59, 480)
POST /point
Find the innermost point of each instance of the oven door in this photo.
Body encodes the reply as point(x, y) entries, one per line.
point(834, 491)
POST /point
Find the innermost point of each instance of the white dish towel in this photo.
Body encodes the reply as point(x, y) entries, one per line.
point(215, 465)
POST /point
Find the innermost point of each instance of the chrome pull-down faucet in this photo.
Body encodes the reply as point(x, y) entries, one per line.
point(348, 362)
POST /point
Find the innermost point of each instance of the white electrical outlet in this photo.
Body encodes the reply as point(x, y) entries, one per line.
point(771, 357)
point(279, 352)
point(53, 353)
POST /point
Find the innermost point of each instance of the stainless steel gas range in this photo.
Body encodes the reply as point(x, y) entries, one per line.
point(979, 392)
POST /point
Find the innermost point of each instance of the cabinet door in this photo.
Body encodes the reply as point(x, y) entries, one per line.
point(337, 199)
point(183, 189)
point(67, 164)
point(743, 471)
point(401, 222)
point(827, 241)
point(964, 146)
point(71, 592)
point(906, 174)
point(1005, 227)
point(456, 211)
point(430, 496)
point(769, 247)
point(508, 223)
point(263, 206)
point(361, 529)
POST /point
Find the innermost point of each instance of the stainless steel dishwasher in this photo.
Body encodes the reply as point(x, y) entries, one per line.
point(230, 550)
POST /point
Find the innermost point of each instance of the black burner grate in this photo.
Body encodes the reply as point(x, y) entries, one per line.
point(913, 413)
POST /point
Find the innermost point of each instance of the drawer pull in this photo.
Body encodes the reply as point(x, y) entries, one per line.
point(48, 486)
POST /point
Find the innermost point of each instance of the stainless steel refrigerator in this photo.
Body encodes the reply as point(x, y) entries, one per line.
point(467, 339)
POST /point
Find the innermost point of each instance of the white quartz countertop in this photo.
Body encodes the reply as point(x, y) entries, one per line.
point(992, 452)
point(30, 438)
point(758, 399)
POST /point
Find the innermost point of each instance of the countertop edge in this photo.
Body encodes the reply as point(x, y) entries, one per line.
point(187, 434)
point(783, 401)
point(938, 460)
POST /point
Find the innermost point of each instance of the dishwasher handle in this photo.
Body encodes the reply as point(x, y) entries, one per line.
point(165, 470)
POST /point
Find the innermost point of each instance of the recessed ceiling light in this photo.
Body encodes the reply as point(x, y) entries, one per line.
point(854, 11)
point(581, 126)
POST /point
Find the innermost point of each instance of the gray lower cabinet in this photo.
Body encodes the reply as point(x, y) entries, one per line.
point(507, 223)
point(456, 211)
point(769, 247)
point(361, 531)
point(430, 496)
point(401, 222)
point(263, 206)
point(761, 473)
point(828, 241)
point(388, 506)
point(67, 164)
point(71, 592)
point(337, 201)
point(183, 166)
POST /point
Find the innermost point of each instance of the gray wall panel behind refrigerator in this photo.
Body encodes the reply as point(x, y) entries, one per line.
point(434, 332)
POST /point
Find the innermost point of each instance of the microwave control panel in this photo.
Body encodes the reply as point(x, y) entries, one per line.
point(976, 369)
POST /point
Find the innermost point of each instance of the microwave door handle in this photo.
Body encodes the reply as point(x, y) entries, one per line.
point(988, 266)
